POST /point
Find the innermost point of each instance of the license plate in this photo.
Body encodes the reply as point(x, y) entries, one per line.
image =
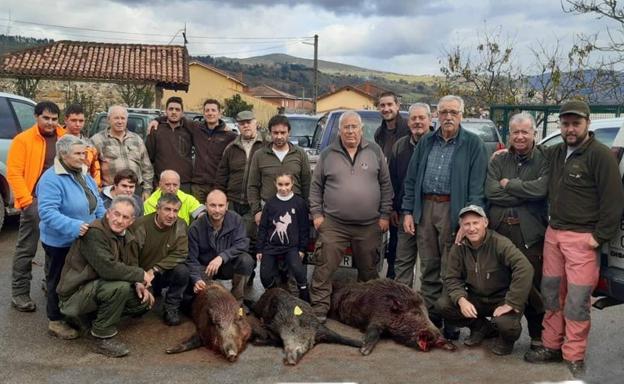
point(346, 261)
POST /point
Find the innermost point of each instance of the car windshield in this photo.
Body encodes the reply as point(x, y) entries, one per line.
point(485, 130)
point(604, 135)
point(302, 126)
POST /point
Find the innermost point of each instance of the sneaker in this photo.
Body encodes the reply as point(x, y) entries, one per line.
point(111, 347)
point(502, 347)
point(60, 329)
point(543, 355)
point(23, 303)
point(536, 344)
point(577, 368)
point(172, 317)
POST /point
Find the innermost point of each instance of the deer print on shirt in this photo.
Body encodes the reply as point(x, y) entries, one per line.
point(281, 228)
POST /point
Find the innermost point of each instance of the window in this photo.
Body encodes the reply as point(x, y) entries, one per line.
point(8, 128)
point(25, 113)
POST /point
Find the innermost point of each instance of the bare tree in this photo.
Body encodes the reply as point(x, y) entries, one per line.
point(488, 77)
point(136, 95)
point(27, 87)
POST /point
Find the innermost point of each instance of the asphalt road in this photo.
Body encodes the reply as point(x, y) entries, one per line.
point(29, 355)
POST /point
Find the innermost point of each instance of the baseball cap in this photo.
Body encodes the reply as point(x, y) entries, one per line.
point(472, 208)
point(245, 115)
point(574, 107)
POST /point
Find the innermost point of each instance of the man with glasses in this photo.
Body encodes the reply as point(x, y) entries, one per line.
point(350, 201)
point(446, 173)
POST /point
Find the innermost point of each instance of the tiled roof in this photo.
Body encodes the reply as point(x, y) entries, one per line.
point(265, 91)
point(347, 88)
point(165, 65)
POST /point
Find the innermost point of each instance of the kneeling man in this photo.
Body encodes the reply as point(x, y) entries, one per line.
point(486, 276)
point(218, 247)
point(164, 247)
point(102, 275)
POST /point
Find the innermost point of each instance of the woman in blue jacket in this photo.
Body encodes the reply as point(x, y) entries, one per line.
point(68, 202)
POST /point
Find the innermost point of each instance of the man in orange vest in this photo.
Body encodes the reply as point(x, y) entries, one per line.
point(30, 154)
point(74, 123)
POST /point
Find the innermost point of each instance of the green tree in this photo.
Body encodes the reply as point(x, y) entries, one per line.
point(88, 102)
point(235, 104)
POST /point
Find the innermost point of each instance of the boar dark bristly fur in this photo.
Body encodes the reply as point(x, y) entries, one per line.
point(221, 323)
point(298, 330)
point(384, 306)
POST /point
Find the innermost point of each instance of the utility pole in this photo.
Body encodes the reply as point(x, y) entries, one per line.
point(315, 88)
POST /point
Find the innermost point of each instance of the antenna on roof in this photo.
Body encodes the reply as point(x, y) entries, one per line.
point(184, 35)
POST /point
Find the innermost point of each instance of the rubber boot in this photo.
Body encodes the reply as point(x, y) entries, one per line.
point(238, 286)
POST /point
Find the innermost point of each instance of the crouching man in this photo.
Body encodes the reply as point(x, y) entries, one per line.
point(486, 276)
point(218, 247)
point(101, 275)
point(164, 246)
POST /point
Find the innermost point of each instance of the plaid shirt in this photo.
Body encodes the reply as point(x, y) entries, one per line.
point(127, 153)
point(437, 179)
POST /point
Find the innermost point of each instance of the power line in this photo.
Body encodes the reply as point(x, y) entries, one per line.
point(246, 51)
point(272, 38)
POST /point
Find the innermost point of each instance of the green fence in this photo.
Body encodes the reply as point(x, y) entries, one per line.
point(546, 116)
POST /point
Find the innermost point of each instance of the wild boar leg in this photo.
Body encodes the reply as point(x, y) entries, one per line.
point(371, 337)
point(191, 343)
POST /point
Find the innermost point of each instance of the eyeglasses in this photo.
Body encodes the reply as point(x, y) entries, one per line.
point(450, 112)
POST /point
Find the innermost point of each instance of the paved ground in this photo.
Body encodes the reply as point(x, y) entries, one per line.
point(29, 355)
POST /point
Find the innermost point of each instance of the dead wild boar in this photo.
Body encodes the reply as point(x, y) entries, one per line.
point(221, 323)
point(383, 306)
point(290, 321)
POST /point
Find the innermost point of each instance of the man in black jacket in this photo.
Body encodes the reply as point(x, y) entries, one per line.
point(419, 123)
point(392, 128)
point(218, 247)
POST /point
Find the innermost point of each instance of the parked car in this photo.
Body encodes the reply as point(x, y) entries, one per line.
point(604, 130)
point(485, 129)
point(611, 282)
point(138, 120)
point(17, 114)
point(302, 129)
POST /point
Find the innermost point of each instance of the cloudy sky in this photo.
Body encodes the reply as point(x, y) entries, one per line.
point(404, 36)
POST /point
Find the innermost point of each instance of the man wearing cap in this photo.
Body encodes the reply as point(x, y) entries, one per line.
point(486, 276)
point(586, 201)
point(446, 173)
point(233, 171)
point(516, 187)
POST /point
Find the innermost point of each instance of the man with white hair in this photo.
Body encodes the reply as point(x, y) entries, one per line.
point(120, 149)
point(446, 173)
point(350, 201)
point(516, 187)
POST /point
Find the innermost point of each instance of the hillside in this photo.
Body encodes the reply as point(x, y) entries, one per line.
point(295, 75)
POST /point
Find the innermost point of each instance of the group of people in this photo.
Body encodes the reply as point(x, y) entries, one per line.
point(223, 202)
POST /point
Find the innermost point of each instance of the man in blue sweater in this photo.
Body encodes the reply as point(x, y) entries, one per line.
point(446, 173)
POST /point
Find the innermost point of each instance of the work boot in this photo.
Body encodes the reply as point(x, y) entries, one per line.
point(23, 303)
point(111, 347)
point(577, 368)
point(536, 344)
point(60, 329)
point(238, 286)
point(479, 333)
point(543, 355)
point(502, 347)
point(172, 317)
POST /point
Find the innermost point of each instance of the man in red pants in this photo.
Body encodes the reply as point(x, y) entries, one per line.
point(586, 201)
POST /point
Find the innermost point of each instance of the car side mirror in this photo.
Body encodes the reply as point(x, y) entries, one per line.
point(304, 142)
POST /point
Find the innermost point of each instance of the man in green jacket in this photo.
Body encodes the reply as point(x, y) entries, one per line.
point(486, 276)
point(102, 275)
point(164, 248)
point(278, 156)
point(516, 187)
